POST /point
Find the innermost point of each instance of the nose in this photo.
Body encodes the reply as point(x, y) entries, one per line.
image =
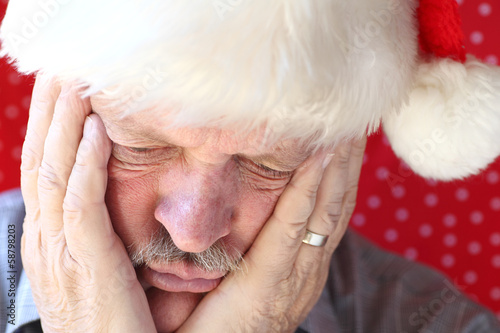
point(197, 207)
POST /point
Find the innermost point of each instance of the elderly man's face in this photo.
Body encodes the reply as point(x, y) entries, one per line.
point(197, 192)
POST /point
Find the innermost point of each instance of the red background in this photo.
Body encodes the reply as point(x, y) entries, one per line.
point(453, 227)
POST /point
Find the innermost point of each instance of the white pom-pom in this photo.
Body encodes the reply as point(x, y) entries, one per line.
point(451, 126)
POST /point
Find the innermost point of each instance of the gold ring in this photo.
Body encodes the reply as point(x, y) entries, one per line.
point(314, 239)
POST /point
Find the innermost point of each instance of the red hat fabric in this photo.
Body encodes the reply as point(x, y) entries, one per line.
point(440, 29)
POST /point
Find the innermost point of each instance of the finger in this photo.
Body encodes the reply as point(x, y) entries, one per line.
point(349, 199)
point(335, 203)
point(331, 191)
point(324, 218)
point(43, 100)
point(60, 148)
point(280, 238)
point(87, 226)
point(334, 206)
point(42, 105)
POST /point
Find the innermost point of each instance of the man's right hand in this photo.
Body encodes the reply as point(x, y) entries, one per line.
point(80, 274)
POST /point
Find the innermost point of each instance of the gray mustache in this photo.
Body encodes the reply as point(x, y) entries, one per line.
point(162, 249)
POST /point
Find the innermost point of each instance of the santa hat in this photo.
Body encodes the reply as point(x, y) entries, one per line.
point(450, 126)
point(319, 70)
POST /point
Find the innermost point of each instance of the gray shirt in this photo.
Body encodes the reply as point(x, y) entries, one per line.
point(368, 289)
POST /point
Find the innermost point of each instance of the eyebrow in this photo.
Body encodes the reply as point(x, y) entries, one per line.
point(289, 163)
point(125, 134)
point(127, 129)
point(278, 158)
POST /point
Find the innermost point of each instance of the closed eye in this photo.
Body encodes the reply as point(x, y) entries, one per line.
point(142, 155)
point(139, 150)
point(262, 169)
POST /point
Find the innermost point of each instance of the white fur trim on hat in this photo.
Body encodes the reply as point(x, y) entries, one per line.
point(321, 69)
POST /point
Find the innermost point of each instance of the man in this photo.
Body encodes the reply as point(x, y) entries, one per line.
point(229, 206)
point(212, 206)
point(194, 188)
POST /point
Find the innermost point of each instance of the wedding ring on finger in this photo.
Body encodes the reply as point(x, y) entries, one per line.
point(314, 239)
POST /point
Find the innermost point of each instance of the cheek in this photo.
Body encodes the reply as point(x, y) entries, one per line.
point(131, 202)
point(255, 206)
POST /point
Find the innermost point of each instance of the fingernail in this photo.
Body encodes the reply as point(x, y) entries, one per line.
point(88, 126)
point(327, 160)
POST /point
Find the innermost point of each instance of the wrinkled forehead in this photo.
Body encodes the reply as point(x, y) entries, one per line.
point(153, 126)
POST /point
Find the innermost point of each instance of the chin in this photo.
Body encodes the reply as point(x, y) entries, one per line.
point(170, 310)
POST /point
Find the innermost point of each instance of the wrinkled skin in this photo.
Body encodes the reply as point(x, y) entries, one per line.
point(89, 197)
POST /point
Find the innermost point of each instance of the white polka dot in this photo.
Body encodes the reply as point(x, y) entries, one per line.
point(484, 9)
point(448, 260)
point(476, 37)
point(470, 277)
point(476, 217)
point(491, 59)
point(492, 177)
point(495, 261)
point(359, 219)
point(495, 204)
point(374, 202)
point(16, 153)
point(462, 194)
point(11, 111)
point(425, 230)
point(411, 253)
point(450, 240)
point(474, 248)
point(382, 173)
point(391, 235)
point(495, 293)
point(460, 2)
point(365, 158)
point(431, 200)
point(402, 214)
point(495, 239)
point(398, 191)
point(25, 102)
point(449, 220)
point(14, 78)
